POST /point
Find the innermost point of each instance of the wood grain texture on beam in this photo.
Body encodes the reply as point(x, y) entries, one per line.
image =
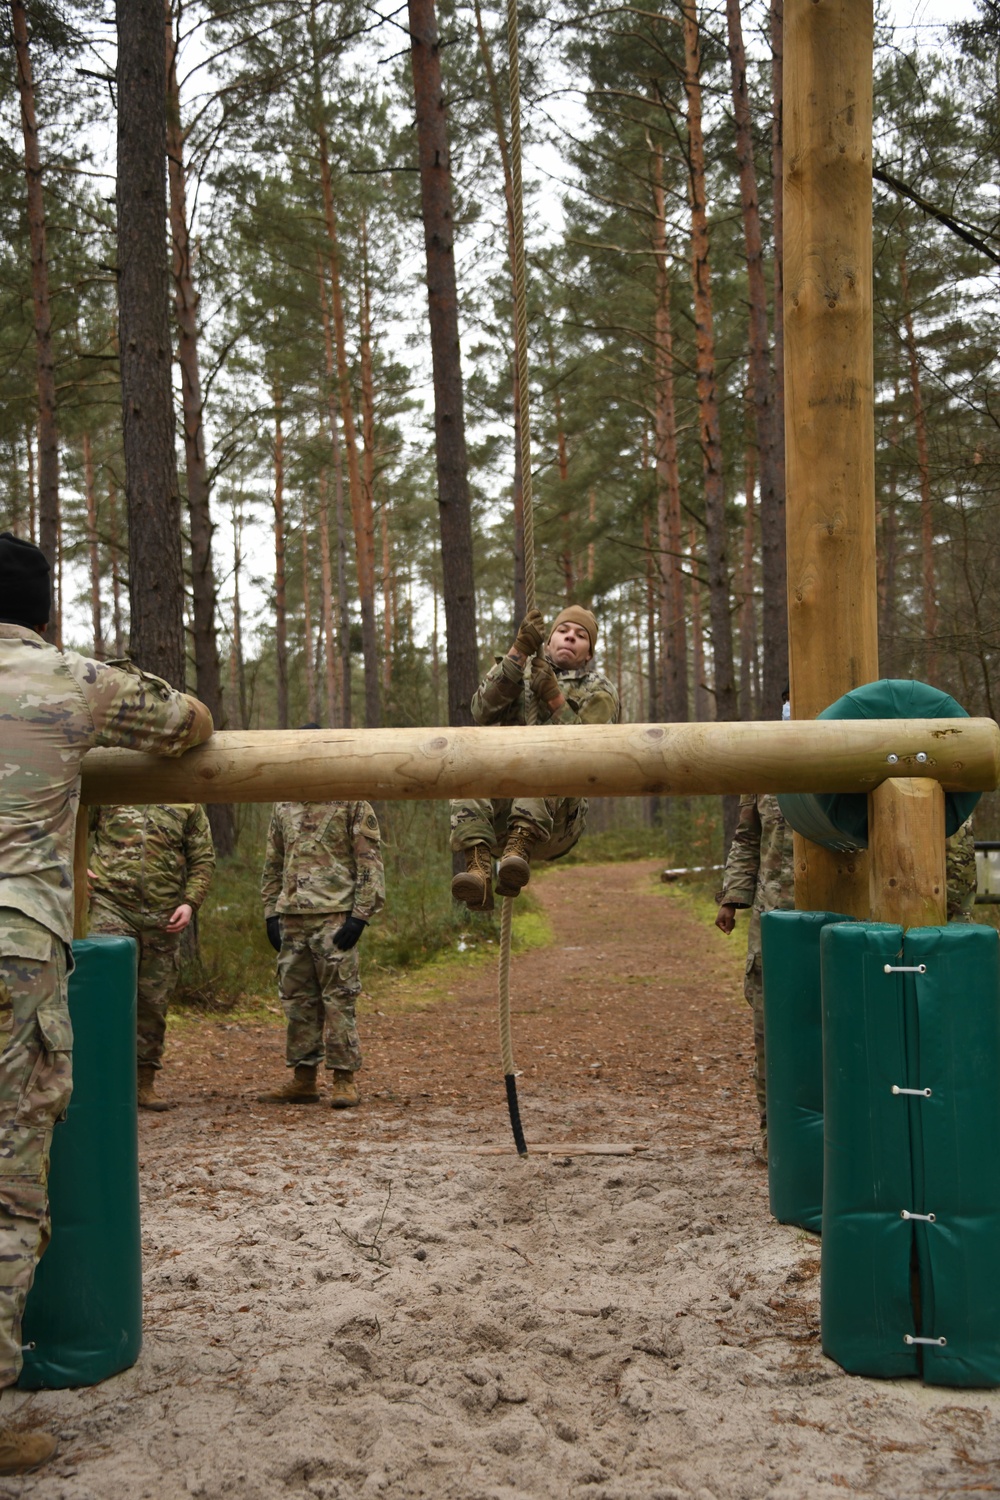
point(601, 760)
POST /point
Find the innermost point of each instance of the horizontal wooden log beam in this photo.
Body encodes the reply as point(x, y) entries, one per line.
point(601, 760)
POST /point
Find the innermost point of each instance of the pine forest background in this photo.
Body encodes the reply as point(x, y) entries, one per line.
point(312, 498)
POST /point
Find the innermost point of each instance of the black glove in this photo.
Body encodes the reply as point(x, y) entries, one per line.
point(273, 925)
point(346, 936)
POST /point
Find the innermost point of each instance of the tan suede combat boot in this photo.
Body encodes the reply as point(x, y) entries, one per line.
point(300, 1088)
point(344, 1093)
point(475, 886)
point(147, 1090)
point(23, 1452)
point(514, 869)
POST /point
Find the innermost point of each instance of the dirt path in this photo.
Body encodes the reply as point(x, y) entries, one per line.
point(374, 1306)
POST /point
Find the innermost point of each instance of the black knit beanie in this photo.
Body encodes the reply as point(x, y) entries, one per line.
point(25, 591)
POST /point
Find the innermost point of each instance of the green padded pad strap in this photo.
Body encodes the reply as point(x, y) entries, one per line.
point(84, 1312)
point(793, 1047)
point(956, 1149)
point(865, 1309)
point(839, 820)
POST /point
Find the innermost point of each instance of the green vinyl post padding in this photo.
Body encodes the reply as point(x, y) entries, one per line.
point(793, 1047)
point(84, 1312)
point(839, 820)
point(892, 1152)
point(865, 1280)
point(956, 1149)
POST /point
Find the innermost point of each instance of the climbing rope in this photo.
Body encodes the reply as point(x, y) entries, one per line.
point(531, 710)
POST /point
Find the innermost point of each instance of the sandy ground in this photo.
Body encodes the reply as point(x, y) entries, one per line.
point(378, 1304)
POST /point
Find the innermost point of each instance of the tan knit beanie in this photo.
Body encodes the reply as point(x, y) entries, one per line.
point(577, 615)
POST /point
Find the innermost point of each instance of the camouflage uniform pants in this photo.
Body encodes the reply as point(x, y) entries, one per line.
point(557, 823)
point(159, 967)
point(753, 989)
point(36, 1080)
point(319, 986)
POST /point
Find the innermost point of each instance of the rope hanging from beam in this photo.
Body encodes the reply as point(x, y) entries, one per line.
point(521, 355)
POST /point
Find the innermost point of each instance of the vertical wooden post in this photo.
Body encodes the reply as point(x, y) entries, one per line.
point(906, 852)
point(81, 891)
point(829, 431)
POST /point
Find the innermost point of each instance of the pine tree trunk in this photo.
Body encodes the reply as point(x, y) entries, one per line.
point(772, 498)
point(238, 672)
point(312, 709)
point(361, 521)
point(280, 605)
point(387, 596)
point(32, 491)
point(668, 485)
point(748, 614)
point(562, 457)
point(929, 595)
point(92, 549)
point(326, 574)
point(777, 198)
point(338, 482)
point(449, 416)
point(346, 709)
point(203, 588)
point(114, 537)
point(708, 406)
point(366, 530)
point(48, 433)
point(701, 696)
point(652, 613)
point(156, 572)
point(517, 490)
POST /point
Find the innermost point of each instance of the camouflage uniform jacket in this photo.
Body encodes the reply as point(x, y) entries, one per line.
point(54, 705)
point(760, 869)
point(590, 697)
point(151, 859)
point(323, 857)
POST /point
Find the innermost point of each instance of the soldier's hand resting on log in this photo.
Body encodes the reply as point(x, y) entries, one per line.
point(346, 936)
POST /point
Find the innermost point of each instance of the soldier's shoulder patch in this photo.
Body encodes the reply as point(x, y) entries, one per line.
point(371, 823)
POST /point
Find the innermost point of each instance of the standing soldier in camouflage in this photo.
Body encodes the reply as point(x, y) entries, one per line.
point(323, 883)
point(150, 871)
point(568, 689)
point(54, 705)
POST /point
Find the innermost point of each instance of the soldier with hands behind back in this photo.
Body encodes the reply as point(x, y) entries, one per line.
point(54, 705)
point(323, 883)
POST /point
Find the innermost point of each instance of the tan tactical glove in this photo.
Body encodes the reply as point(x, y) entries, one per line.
point(528, 640)
point(544, 684)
